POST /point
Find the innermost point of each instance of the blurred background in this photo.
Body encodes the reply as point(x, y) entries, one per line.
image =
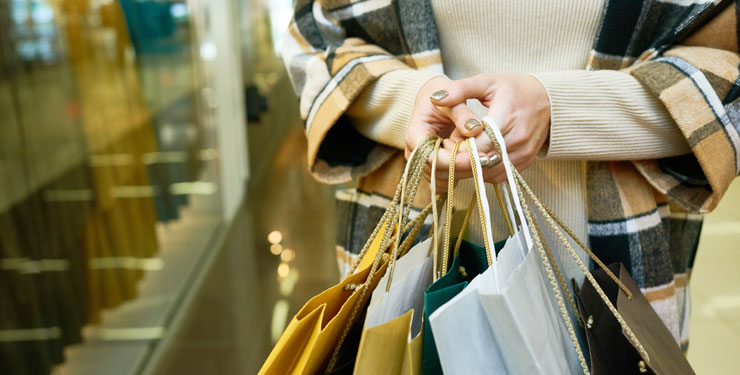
point(156, 214)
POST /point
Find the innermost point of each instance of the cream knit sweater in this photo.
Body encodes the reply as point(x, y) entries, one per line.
point(595, 115)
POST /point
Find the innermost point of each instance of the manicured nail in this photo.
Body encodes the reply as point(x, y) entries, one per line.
point(472, 124)
point(494, 160)
point(439, 95)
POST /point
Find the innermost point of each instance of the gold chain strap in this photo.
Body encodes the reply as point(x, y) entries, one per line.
point(421, 153)
point(435, 215)
point(489, 132)
point(628, 331)
point(553, 284)
point(589, 252)
point(418, 168)
point(561, 279)
point(481, 213)
point(450, 203)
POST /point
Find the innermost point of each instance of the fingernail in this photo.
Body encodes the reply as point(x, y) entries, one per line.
point(494, 160)
point(472, 124)
point(439, 95)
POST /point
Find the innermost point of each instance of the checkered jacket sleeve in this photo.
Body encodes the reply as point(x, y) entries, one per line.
point(331, 58)
point(700, 88)
point(693, 68)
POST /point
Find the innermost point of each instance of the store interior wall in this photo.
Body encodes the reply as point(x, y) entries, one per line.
point(112, 157)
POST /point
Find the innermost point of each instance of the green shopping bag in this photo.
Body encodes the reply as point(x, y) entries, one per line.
point(469, 263)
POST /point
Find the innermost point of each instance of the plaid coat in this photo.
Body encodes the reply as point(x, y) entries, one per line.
point(644, 213)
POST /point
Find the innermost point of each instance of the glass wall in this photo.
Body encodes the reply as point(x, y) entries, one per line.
point(110, 180)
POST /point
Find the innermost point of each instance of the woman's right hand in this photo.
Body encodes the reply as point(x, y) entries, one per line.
point(428, 119)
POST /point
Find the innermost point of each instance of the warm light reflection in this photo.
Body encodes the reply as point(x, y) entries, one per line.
point(286, 284)
point(283, 270)
point(276, 248)
point(275, 237)
point(287, 255)
point(279, 318)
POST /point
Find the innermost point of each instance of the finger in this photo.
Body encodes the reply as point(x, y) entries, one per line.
point(466, 122)
point(457, 92)
point(441, 187)
point(485, 145)
point(489, 174)
point(497, 174)
point(462, 164)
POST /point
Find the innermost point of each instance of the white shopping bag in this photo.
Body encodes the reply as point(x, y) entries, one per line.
point(512, 297)
point(413, 274)
point(462, 333)
point(517, 300)
point(463, 336)
point(522, 317)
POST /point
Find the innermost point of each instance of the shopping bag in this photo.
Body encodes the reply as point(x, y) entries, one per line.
point(463, 336)
point(305, 344)
point(391, 339)
point(611, 351)
point(461, 333)
point(644, 344)
point(516, 297)
point(313, 340)
point(412, 275)
point(469, 262)
point(393, 323)
point(521, 317)
point(504, 315)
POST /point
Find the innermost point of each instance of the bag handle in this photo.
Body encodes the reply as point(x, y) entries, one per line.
point(404, 181)
point(450, 203)
point(414, 168)
point(435, 214)
point(546, 213)
point(509, 168)
point(479, 196)
point(483, 207)
point(448, 216)
point(388, 214)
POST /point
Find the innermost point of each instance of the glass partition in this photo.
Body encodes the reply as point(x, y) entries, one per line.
point(110, 192)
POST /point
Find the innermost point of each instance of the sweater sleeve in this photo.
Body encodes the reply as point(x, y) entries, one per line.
point(382, 111)
point(607, 115)
point(333, 52)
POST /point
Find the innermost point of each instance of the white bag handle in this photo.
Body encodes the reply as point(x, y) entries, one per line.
point(510, 178)
point(485, 209)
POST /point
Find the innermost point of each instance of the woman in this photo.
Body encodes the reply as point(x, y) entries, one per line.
point(617, 128)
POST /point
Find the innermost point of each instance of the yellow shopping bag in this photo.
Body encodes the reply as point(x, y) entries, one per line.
point(314, 338)
point(387, 349)
point(307, 342)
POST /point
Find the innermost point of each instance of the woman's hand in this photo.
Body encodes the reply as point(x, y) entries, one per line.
point(518, 103)
point(428, 119)
point(442, 121)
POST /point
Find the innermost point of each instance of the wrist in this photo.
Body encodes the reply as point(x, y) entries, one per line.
point(542, 108)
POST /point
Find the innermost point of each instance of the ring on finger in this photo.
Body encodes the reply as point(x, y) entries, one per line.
point(490, 162)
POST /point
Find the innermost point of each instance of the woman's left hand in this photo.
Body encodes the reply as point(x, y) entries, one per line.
point(521, 107)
